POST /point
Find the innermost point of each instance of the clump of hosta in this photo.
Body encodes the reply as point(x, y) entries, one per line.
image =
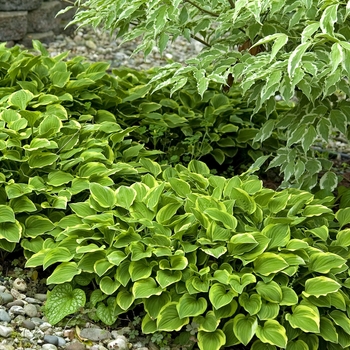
point(244, 264)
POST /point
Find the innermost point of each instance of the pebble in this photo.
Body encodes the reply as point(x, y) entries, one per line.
point(5, 331)
point(19, 284)
point(4, 316)
point(17, 310)
point(30, 310)
point(16, 302)
point(49, 347)
point(5, 298)
point(28, 324)
point(76, 346)
point(120, 343)
point(94, 334)
point(41, 297)
point(51, 339)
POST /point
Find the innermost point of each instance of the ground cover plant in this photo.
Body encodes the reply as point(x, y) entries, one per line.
point(219, 260)
point(283, 47)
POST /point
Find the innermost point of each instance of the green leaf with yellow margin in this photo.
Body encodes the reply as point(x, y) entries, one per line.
point(273, 333)
point(211, 340)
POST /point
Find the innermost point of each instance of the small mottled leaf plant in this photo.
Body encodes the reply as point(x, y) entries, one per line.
point(245, 264)
point(288, 48)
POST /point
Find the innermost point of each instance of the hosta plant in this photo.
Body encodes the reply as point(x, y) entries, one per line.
point(240, 263)
point(286, 48)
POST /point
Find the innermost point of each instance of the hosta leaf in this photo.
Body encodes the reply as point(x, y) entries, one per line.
point(6, 214)
point(289, 296)
point(244, 327)
point(189, 305)
point(327, 330)
point(36, 225)
point(55, 255)
point(211, 340)
point(270, 291)
point(220, 295)
point(167, 277)
point(125, 299)
point(102, 266)
point(116, 257)
point(167, 212)
point(109, 286)
point(305, 318)
point(268, 311)
point(321, 285)
point(59, 178)
point(268, 263)
point(63, 300)
point(154, 304)
point(297, 345)
point(207, 323)
point(103, 195)
point(341, 320)
point(226, 219)
point(324, 262)
point(63, 273)
point(49, 126)
point(20, 99)
point(168, 319)
point(42, 159)
point(279, 235)
point(125, 196)
point(272, 333)
point(251, 303)
point(343, 216)
point(140, 269)
point(243, 200)
point(146, 288)
point(181, 187)
point(11, 232)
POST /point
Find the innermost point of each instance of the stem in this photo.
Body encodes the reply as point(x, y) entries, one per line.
point(202, 9)
point(200, 40)
point(231, 3)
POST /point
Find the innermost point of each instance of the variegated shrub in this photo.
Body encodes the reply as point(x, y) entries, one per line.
point(289, 48)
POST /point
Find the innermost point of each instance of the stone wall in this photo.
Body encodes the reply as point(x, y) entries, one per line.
point(21, 21)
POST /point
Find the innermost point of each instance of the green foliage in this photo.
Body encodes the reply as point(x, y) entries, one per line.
point(244, 263)
point(294, 49)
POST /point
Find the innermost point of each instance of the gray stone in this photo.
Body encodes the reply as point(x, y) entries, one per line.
point(31, 310)
point(4, 297)
point(20, 285)
point(32, 300)
point(4, 316)
point(19, 5)
point(45, 38)
point(120, 343)
point(17, 310)
point(37, 321)
point(13, 25)
point(16, 302)
point(5, 331)
point(95, 334)
point(40, 297)
point(43, 19)
point(2, 289)
point(61, 342)
point(49, 347)
point(75, 346)
point(51, 339)
point(98, 347)
point(26, 333)
point(28, 324)
point(44, 326)
point(6, 347)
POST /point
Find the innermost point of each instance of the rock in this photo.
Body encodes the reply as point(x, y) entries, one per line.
point(44, 326)
point(95, 334)
point(5, 297)
point(26, 333)
point(49, 347)
point(4, 316)
point(61, 342)
point(45, 38)
point(43, 19)
point(32, 301)
point(90, 44)
point(51, 339)
point(16, 302)
point(19, 5)
point(19, 284)
point(5, 331)
point(28, 324)
point(40, 297)
point(37, 321)
point(30, 310)
point(17, 294)
point(17, 310)
point(6, 347)
point(120, 343)
point(2, 289)
point(75, 346)
point(98, 347)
